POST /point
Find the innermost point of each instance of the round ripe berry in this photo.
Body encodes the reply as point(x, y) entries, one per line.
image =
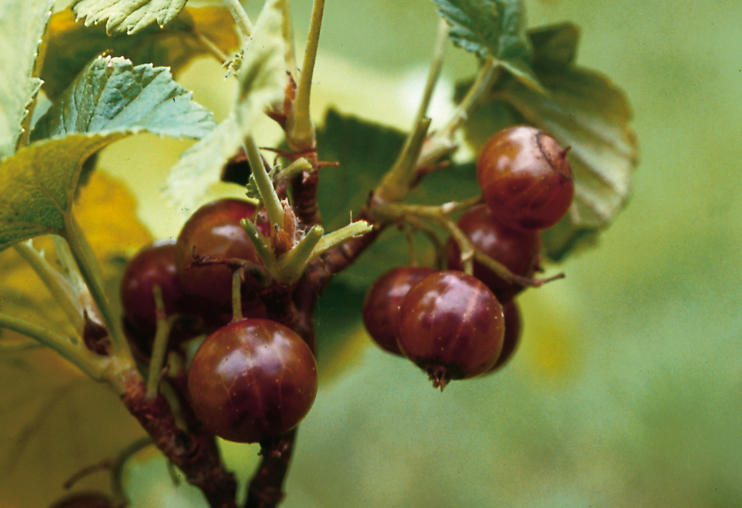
point(451, 326)
point(214, 231)
point(517, 249)
point(153, 264)
point(381, 305)
point(251, 380)
point(511, 340)
point(525, 178)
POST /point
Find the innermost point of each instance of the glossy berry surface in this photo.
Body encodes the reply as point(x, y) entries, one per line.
point(251, 380)
point(154, 264)
point(214, 231)
point(451, 326)
point(513, 330)
point(517, 249)
point(525, 178)
point(381, 305)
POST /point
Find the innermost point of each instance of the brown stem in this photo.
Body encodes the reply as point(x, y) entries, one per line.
point(194, 454)
point(304, 191)
point(266, 487)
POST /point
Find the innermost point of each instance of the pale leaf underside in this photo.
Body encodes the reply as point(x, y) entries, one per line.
point(127, 16)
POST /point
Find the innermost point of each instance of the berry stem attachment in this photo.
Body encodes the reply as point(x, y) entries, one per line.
point(300, 131)
point(268, 194)
point(90, 363)
point(57, 284)
point(240, 17)
point(237, 277)
point(439, 216)
point(159, 345)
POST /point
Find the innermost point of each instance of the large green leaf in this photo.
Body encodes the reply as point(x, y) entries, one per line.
point(129, 16)
point(22, 23)
point(584, 111)
point(262, 81)
point(71, 45)
point(492, 28)
point(110, 100)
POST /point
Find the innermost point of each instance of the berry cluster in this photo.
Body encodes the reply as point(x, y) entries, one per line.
point(252, 378)
point(458, 326)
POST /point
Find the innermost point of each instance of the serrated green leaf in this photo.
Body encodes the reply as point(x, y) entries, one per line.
point(71, 45)
point(22, 23)
point(262, 79)
point(585, 111)
point(110, 100)
point(262, 74)
point(113, 95)
point(127, 16)
point(492, 28)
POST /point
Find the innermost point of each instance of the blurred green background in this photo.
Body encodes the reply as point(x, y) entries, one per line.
point(626, 390)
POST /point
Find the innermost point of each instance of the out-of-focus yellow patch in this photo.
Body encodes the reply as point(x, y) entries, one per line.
point(106, 213)
point(334, 362)
point(548, 345)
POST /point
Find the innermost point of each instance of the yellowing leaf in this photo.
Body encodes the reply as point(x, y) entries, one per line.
point(55, 421)
point(22, 24)
point(129, 16)
point(71, 45)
